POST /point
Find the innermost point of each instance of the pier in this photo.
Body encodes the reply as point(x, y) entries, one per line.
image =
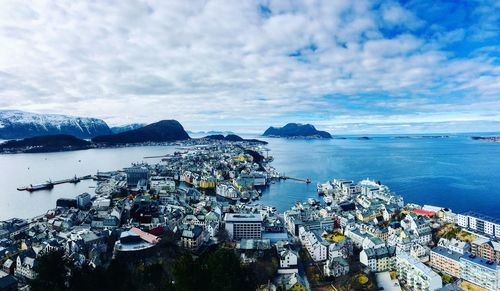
point(50, 184)
point(307, 180)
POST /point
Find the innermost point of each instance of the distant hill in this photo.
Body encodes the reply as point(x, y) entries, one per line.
point(127, 127)
point(296, 130)
point(233, 137)
point(15, 124)
point(46, 143)
point(162, 131)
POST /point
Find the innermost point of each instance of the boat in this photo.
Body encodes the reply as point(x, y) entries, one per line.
point(328, 200)
point(42, 186)
point(308, 181)
point(312, 201)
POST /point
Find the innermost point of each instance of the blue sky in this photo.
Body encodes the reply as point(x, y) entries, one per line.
point(345, 66)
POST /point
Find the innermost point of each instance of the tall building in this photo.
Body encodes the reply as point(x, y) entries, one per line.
point(479, 223)
point(243, 225)
point(135, 175)
point(480, 272)
point(83, 201)
point(415, 275)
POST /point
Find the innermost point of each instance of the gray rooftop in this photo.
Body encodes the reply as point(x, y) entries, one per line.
point(243, 217)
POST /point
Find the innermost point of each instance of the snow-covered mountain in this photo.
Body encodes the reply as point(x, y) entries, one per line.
point(127, 127)
point(15, 124)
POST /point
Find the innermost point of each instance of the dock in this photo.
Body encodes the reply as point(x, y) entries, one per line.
point(307, 180)
point(73, 180)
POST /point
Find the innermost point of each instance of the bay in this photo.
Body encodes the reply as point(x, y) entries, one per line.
point(455, 172)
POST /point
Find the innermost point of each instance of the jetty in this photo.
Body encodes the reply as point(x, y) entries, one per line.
point(306, 180)
point(50, 184)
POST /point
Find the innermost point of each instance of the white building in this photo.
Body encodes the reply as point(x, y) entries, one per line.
point(25, 266)
point(480, 272)
point(288, 258)
point(242, 225)
point(479, 223)
point(315, 245)
point(415, 275)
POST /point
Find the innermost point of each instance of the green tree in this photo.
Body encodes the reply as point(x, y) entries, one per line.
point(52, 272)
point(187, 273)
point(87, 278)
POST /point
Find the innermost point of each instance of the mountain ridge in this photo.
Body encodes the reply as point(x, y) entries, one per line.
point(161, 131)
point(17, 124)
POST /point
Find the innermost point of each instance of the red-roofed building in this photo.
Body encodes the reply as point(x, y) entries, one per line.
point(423, 212)
point(152, 239)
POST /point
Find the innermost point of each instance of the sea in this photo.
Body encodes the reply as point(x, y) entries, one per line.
point(455, 172)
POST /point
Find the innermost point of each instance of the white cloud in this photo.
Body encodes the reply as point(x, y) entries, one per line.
point(197, 61)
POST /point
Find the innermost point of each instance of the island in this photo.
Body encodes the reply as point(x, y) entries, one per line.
point(46, 143)
point(423, 136)
point(296, 130)
point(487, 138)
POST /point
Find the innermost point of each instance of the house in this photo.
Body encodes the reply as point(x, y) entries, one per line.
point(288, 258)
point(420, 252)
point(192, 237)
point(9, 266)
point(291, 281)
point(25, 264)
point(378, 259)
point(336, 267)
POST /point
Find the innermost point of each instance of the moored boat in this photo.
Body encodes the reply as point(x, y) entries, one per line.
point(42, 186)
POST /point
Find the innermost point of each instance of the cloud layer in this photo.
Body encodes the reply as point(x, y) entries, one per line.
point(247, 64)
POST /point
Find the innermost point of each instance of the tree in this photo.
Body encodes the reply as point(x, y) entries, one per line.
point(217, 270)
point(222, 235)
point(87, 278)
point(52, 272)
point(188, 274)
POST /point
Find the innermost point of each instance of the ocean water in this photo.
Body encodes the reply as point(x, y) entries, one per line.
point(455, 172)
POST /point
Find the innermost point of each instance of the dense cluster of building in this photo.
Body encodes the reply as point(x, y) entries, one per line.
point(393, 237)
point(207, 194)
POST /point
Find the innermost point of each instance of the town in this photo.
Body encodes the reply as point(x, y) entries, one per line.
point(202, 203)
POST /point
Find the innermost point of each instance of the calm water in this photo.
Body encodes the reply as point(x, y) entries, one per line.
point(456, 172)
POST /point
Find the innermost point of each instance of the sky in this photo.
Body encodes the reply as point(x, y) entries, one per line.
point(345, 66)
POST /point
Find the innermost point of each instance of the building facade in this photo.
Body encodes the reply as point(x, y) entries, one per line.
point(415, 275)
point(480, 272)
point(242, 225)
point(446, 260)
point(479, 223)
